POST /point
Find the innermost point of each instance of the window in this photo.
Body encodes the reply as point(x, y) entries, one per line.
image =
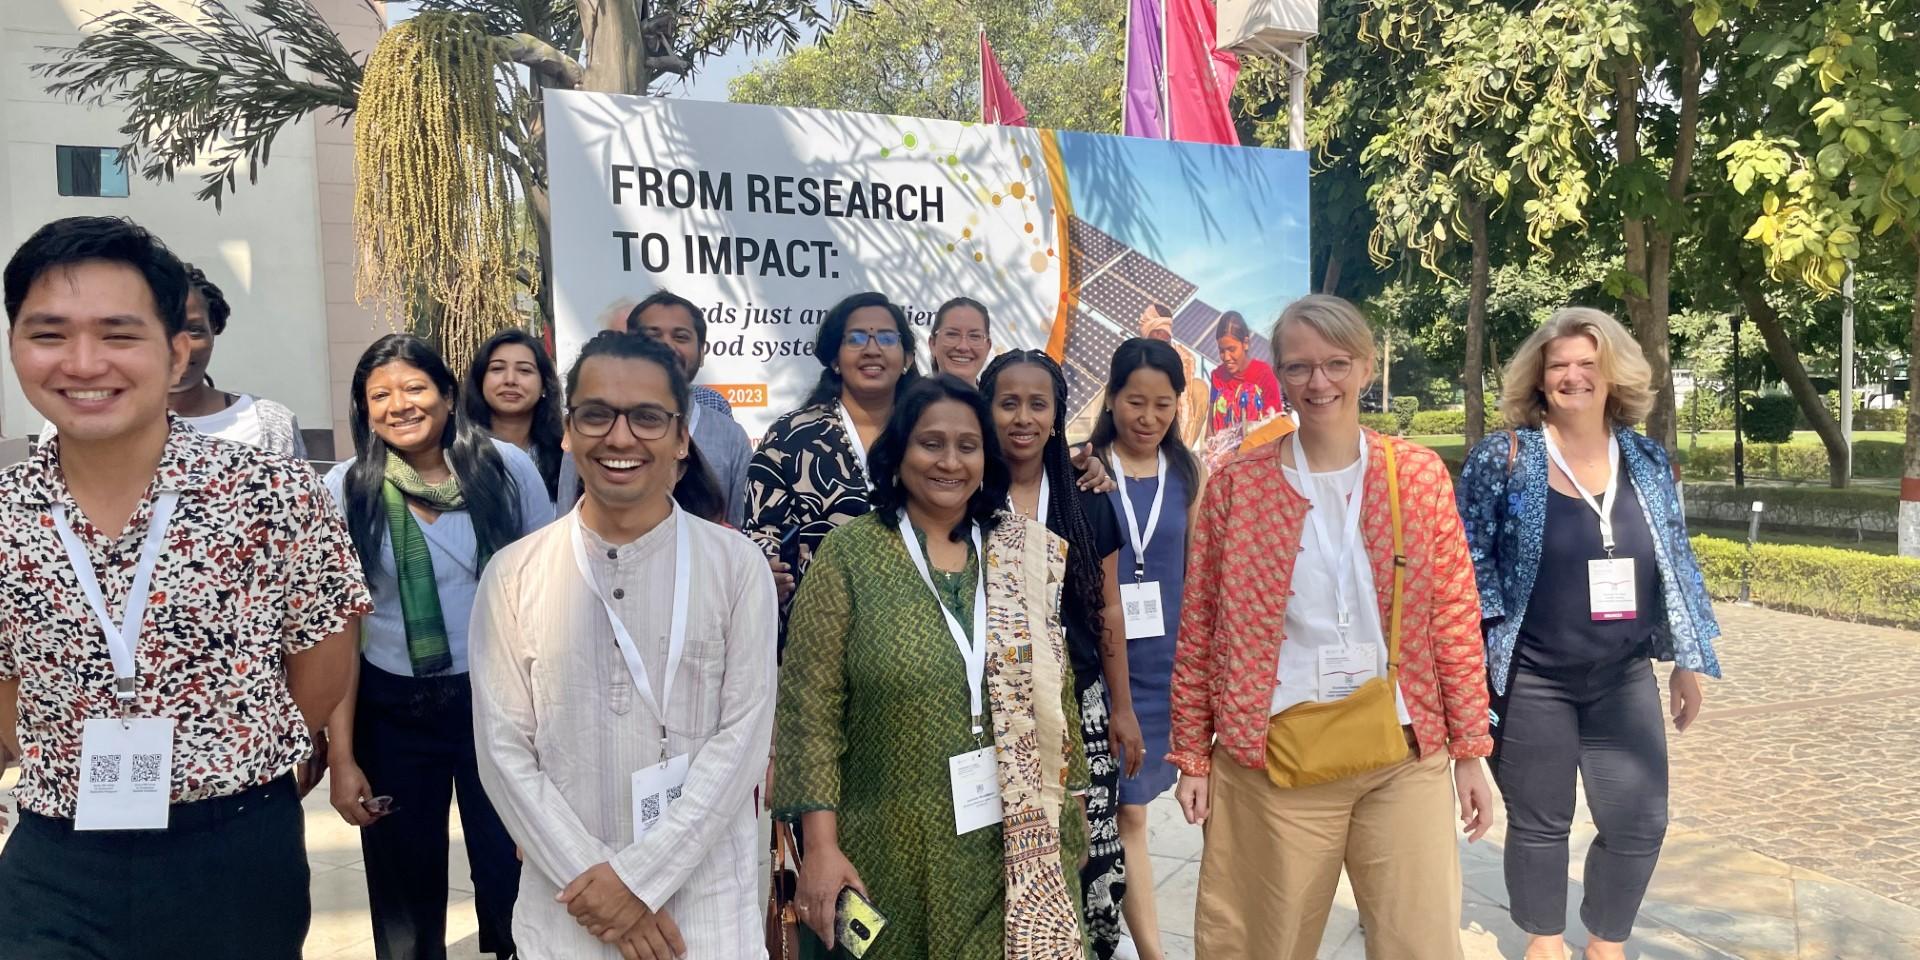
point(90, 171)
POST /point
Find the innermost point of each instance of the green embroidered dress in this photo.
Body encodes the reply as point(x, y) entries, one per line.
point(873, 702)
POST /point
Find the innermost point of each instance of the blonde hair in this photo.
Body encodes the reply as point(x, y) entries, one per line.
point(1623, 366)
point(1334, 319)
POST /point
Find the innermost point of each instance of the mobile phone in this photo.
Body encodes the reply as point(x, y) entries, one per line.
point(856, 923)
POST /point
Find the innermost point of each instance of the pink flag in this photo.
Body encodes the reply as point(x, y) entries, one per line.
point(997, 102)
point(1199, 78)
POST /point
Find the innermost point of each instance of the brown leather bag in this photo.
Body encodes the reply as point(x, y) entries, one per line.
point(783, 922)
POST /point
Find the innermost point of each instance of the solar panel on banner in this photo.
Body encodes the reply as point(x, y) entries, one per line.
point(1091, 246)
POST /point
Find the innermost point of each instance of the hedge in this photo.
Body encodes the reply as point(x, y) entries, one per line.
point(1770, 418)
point(1894, 419)
point(1804, 462)
point(1821, 581)
point(1380, 422)
point(1430, 422)
point(1855, 509)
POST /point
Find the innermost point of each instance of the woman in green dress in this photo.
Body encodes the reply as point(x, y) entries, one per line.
point(909, 678)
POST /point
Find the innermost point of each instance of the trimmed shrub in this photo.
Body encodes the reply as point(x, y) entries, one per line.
point(1381, 422)
point(1403, 410)
point(1822, 581)
point(1804, 463)
point(1430, 422)
point(1894, 419)
point(1770, 417)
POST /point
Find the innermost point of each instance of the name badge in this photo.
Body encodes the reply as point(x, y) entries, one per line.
point(126, 774)
point(655, 789)
point(1141, 601)
point(1610, 589)
point(1343, 668)
point(976, 790)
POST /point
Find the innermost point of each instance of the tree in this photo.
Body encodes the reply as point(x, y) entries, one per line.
point(1841, 174)
point(921, 58)
point(219, 85)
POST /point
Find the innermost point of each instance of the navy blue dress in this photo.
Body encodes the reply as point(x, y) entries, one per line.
point(1150, 659)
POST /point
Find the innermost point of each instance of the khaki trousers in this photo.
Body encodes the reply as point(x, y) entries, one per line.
point(1273, 856)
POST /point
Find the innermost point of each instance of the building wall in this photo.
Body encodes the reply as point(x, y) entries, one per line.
point(280, 249)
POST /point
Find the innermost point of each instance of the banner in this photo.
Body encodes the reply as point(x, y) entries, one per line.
point(765, 216)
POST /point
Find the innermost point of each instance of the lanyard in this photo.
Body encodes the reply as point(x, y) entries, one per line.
point(853, 439)
point(1316, 524)
point(122, 637)
point(676, 624)
point(975, 656)
point(1604, 506)
point(1040, 505)
point(1140, 540)
point(693, 419)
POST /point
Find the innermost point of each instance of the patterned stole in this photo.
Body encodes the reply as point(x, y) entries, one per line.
point(1026, 671)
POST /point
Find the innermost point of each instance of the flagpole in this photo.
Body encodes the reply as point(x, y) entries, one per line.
point(983, 75)
point(1166, 64)
point(1126, 67)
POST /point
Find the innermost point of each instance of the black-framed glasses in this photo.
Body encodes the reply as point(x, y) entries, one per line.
point(885, 338)
point(647, 421)
point(1299, 372)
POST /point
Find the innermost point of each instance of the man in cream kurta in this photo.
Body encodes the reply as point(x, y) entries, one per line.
point(561, 730)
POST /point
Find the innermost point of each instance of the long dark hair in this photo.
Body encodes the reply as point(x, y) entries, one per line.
point(548, 428)
point(493, 497)
point(833, 330)
point(1232, 324)
point(1158, 354)
point(940, 319)
point(1086, 576)
point(697, 492)
point(889, 495)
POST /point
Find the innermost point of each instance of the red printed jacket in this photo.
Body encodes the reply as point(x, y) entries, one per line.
point(1239, 576)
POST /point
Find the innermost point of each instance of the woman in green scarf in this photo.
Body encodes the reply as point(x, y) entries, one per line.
point(429, 498)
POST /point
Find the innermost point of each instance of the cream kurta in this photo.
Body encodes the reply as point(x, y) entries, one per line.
point(560, 730)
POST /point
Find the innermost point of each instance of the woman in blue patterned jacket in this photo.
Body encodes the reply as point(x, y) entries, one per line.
point(1580, 550)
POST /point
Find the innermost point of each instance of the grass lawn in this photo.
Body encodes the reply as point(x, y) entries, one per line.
point(1738, 532)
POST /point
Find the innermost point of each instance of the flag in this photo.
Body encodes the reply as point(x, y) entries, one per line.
point(997, 102)
point(1199, 78)
point(1141, 115)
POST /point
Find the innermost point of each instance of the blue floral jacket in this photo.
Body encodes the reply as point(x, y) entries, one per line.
point(1506, 519)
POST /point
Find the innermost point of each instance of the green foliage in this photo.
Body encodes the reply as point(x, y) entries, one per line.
point(1890, 419)
point(1428, 422)
point(1382, 423)
point(1800, 463)
point(1769, 417)
point(1822, 581)
point(921, 58)
point(1404, 408)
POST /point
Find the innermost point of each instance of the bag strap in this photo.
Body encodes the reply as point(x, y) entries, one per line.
point(1399, 556)
point(1513, 449)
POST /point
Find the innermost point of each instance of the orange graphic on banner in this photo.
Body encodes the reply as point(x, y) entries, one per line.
point(741, 394)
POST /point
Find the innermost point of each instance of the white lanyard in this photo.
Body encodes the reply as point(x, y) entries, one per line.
point(123, 637)
point(1604, 506)
point(853, 438)
point(1140, 539)
point(1342, 568)
point(676, 624)
point(693, 419)
point(974, 656)
point(1040, 505)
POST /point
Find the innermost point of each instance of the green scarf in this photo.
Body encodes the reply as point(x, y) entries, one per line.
point(427, 645)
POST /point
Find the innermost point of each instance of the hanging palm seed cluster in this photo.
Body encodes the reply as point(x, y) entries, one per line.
point(433, 213)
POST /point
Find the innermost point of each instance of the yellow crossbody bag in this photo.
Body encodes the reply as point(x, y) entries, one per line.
point(1315, 743)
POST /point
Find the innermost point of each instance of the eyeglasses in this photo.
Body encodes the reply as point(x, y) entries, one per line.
point(885, 338)
point(1298, 373)
point(952, 335)
point(646, 421)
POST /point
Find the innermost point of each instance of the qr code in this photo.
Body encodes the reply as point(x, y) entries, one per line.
point(1133, 608)
point(105, 769)
point(146, 768)
point(673, 794)
point(650, 808)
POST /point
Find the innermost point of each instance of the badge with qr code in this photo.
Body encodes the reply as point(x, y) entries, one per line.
point(1141, 604)
point(126, 774)
point(655, 790)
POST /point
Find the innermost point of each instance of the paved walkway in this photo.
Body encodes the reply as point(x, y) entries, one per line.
point(1795, 832)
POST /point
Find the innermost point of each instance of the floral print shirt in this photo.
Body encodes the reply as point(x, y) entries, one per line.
point(803, 481)
point(255, 566)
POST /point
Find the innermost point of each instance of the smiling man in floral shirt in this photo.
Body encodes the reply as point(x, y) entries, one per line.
point(175, 616)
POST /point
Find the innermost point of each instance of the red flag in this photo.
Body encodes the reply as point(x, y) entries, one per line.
point(1199, 78)
point(997, 102)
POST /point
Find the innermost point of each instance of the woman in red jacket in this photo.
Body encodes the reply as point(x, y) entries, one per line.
point(1330, 705)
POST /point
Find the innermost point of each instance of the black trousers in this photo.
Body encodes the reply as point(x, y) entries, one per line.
point(413, 738)
point(227, 880)
point(1605, 723)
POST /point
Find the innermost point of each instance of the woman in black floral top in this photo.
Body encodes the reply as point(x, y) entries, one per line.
point(809, 474)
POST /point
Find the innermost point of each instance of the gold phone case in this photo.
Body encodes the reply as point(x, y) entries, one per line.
point(856, 923)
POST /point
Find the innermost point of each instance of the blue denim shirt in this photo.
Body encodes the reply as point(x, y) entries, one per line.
point(1506, 519)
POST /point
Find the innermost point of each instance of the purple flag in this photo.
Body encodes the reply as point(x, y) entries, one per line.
point(1146, 71)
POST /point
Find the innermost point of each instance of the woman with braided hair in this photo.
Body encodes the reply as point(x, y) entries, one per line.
point(1027, 393)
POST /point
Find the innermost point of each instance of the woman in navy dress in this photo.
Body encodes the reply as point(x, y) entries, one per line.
point(1159, 483)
